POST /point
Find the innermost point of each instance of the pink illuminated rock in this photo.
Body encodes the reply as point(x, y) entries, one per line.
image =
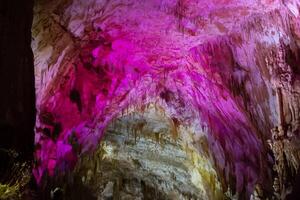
point(203, 62)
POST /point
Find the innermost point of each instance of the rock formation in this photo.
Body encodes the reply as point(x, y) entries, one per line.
point(180, 99)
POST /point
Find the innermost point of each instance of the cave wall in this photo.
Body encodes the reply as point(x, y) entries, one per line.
point(17, 101)
point(216, 72)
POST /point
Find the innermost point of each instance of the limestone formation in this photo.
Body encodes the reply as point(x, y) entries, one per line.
point(175, 99)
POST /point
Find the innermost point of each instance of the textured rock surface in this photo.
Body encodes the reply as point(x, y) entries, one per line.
point(213, 69)
point(146, 164)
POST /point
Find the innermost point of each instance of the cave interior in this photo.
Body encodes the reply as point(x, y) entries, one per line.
point(150, 99)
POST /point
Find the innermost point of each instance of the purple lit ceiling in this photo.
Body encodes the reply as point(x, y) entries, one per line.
point(201, 62)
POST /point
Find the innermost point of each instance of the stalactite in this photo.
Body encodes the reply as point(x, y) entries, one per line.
point(286, 156)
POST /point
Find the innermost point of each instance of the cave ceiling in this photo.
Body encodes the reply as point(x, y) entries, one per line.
point(210, 77)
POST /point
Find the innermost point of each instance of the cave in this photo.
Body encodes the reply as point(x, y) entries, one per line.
point(153, 99)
